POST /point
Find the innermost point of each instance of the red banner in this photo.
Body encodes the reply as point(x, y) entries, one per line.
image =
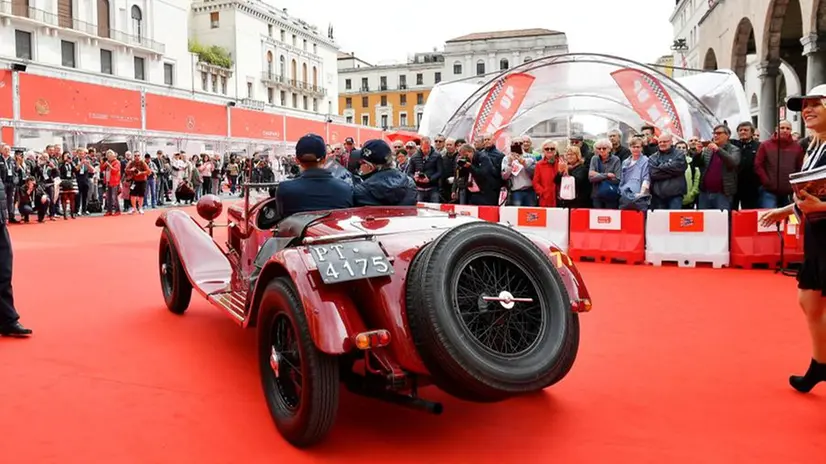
point(501, 104)
point(257, 125)
point(650, 99)
point(6, 95)
point(338, 133)
point(368, 134)
point(169, 114)
point(297, 128)
point(48, 99)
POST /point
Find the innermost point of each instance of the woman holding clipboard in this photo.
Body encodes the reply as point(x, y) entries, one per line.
point(812, 275)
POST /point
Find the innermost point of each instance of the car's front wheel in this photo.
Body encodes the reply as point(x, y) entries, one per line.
point(177, 290)
point(300, 382)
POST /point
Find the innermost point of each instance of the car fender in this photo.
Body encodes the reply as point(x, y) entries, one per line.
point(564, 265)
point(205, 264)
point(332, 316)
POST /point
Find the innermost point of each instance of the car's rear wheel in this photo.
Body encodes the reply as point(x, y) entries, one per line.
point(177, 290)
point(301, 383)
point(489, 314)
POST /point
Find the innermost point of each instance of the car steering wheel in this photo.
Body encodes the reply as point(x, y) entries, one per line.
point(268, 216)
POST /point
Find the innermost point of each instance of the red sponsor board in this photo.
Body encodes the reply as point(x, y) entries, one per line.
point(7, 135)
point(650, 99)
point(298, 127)
point(169, 114)
point(501, 105)
point(368, 134)
point(257, 125)
point(6, 95)
point(339, 133)
point(47, 99)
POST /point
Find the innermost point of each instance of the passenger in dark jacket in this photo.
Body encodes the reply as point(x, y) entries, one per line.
point(667, 170)
point(383, 185)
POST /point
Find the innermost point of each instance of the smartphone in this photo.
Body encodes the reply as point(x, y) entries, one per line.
point(705, 143)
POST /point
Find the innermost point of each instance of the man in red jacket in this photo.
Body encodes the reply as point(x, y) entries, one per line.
point(776, 159)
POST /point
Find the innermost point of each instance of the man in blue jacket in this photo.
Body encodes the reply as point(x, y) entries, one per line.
point(383, 184)
point(315, 189)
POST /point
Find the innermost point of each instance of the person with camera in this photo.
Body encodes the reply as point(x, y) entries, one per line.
point(33, 200)
point(426, 168)
point(382, 184)
point(476, 179)
point(811, 278)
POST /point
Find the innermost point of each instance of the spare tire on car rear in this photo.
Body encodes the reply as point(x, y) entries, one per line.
point(489, 313)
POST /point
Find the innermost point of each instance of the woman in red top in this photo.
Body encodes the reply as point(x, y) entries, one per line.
point(139, 171)
point(544, 175)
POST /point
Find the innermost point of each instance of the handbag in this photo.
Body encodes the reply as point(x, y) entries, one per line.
point(567, 188)
point(66, 184)
point(607, 191)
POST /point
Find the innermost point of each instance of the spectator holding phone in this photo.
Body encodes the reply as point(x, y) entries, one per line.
point(426, 169)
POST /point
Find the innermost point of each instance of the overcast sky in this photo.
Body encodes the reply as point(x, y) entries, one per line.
point(377, 31)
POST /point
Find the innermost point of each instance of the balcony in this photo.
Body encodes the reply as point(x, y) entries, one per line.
point(271, 78)
point(307, 87)
point(100, 31)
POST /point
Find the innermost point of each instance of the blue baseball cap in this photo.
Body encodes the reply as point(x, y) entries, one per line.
point(310, 147)
point(376, 151)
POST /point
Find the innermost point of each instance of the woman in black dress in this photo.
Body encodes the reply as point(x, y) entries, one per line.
point(812, 276)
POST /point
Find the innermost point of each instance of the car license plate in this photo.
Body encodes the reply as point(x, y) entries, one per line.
point(346, 261)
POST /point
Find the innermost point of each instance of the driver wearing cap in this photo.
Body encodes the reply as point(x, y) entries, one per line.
point(383, 184)
point(315, 189)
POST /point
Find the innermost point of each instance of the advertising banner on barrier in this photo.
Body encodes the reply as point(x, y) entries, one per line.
point(338, 133)
point(6, 95)
point(48, 99)
point(297, 128)
point(605, 219)
point(532, 217)
point(170, 114)
point(257, 125)
point(686, 221)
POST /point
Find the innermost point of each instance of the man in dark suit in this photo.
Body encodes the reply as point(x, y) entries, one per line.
point(315, 189)
point(9, 319)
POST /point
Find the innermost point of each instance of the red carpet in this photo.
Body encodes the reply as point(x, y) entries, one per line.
point(676, 365)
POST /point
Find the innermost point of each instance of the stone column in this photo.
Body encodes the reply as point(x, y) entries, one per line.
point(814, 49)
point(767, 120)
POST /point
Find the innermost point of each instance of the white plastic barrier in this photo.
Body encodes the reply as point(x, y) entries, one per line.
point(687, 237)
point(549, 223)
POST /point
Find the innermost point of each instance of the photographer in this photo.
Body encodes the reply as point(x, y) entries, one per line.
point(478, 177)
point(426, 168)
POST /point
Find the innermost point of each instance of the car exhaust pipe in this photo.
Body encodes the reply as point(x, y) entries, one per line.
point(407, 401)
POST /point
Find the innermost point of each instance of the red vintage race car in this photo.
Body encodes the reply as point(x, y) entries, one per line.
point(384, 300)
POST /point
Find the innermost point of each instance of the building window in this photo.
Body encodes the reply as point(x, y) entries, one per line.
point(403, 119)
point(503, 64)
point(249, 90)
point(402, 82)
point(23, 45)
point(304, 73)
point(305, 45)
point(383, 83)
point(67, 50)
point(137, 21)
point(348, 84)
point(282, 66)
point(403, 99)
point(418, 119)
point(214, 83)
point(283, 35)
point(348, 103)
point(315, 105)
point(480, 67)
point(384, 121)
point(384, 100)
point(140, 71)
point(204, 81)
point(214, 20)
point(349, 120)
point(295, 100)
point(365, 87)
point(271, 95)
point(269, 65)
point(420, 99)
point(419, 79)
point(457, 68)
point(65, 14)
point(365, 120)
point(283, 98)
point(105, 61)
point(168, 74)
point(103, 18)
point(305, 103)
point(365, 102)
point(223, 85)
point(269, 30)
point(315, 49)
point(294, 40)
point(437, 77)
